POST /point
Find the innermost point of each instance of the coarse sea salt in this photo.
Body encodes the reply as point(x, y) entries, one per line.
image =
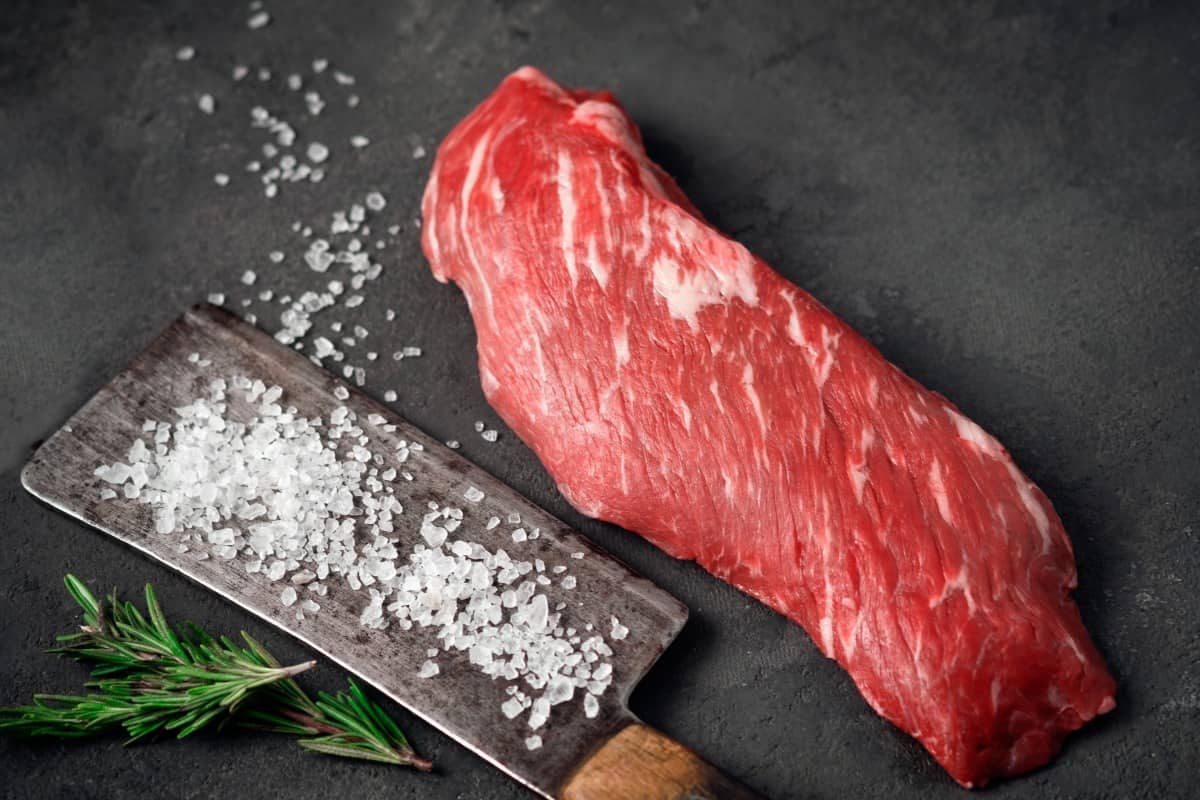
point(300, 500)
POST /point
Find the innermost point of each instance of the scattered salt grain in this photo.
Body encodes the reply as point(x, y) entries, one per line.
point(240, 71)
point(568, 582)
point(390, 395)
point(376, 201)
point(221, 179)
point(493, 523)
point(359, 142)
point(619, 631)
point(249, 277)
point(533, 742)
point(206, 103)
point(428, 670)
point(317, 152)
point(259, 20)
point(591, 706)
point(452, 444)
point(217, 298)
point(185, 53)
point(418, 152)
point(288, 596)
point(489, 435)
point(473, 494)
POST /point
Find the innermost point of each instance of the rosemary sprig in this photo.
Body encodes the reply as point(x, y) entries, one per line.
point(149, 678)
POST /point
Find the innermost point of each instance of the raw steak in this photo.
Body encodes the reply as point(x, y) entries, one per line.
point(676, 385)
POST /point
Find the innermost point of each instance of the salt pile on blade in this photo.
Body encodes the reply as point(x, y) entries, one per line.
point(308, 502)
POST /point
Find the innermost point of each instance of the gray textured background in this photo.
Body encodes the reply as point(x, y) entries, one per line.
point(1004, 199)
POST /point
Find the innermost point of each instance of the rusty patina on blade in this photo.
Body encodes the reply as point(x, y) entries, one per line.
point(461, 701)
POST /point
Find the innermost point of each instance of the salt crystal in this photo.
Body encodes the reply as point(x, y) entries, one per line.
point(221, 179)
point(317, 152)
point(389, 396)
point(376, 201)
point(560, 690)
point(249, 277)
point(288, 596)
point(492, 523)
point(533, 742)
point(359, 142)
point(473, 494)
point(591, 706)
point(319, 65)
point(511, 707)
point(185, 53)
point(619, 631)
point(258, 20)
point(418, 152)
point(206, 103)
point(428, 670)
point(568, 582)
point(240, 71)
point(217, 298)
point(540, 713)
point(489, 435)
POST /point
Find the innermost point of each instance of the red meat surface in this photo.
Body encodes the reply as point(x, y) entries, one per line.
point(676, 385)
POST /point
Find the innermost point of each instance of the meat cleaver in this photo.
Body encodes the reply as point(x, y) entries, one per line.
point(612, 755)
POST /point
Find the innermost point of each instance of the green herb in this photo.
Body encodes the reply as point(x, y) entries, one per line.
point(149, 678)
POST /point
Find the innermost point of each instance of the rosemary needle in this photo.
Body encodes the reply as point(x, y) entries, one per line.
point(149, 678)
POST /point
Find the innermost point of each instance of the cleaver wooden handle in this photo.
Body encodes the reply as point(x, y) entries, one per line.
point(639, 763)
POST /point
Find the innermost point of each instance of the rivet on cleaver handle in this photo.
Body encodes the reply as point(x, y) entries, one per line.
point(462, 701)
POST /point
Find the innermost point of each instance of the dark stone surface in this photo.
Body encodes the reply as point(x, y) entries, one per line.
point(1003, 198)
